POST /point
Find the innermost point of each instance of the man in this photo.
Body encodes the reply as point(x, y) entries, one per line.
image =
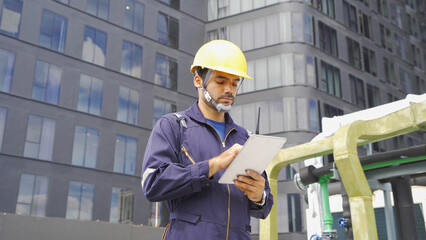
point(188, 152)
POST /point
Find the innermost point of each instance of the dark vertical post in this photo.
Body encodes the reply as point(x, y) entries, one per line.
point(405, 217)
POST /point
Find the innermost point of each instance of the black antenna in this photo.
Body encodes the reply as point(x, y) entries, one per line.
point(258, 120)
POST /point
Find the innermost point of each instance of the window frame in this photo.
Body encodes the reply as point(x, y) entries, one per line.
point(63, 33)
point(12, 4)
point(98, 4)
point(172, 34)
point(49, 85)
point(122, 167)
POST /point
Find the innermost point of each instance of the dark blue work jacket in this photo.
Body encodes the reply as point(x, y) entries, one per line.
point(176, 168)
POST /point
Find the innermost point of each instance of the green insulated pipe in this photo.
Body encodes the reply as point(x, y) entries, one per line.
point(327, 218)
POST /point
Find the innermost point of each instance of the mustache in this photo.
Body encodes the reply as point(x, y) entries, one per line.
point(226, 96)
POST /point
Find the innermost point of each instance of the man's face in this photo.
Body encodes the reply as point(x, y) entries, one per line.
point(223, 87)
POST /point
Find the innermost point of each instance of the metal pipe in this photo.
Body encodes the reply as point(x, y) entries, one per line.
point(327, 217)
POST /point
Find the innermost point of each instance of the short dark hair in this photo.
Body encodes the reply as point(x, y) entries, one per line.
point(202, 72)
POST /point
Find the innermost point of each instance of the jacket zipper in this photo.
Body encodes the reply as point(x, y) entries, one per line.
point(229, 190)
point(187, 154)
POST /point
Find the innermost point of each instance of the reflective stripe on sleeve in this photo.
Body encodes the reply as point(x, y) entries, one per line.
point(146, 174)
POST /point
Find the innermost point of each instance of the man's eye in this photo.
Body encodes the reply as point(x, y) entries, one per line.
point(220, 82)
point(235, 85)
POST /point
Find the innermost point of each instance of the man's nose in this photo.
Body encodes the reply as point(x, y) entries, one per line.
point(228, 87)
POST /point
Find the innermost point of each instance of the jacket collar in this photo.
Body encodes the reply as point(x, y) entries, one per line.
point(195, 113)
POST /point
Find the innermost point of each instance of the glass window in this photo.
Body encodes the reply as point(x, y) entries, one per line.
point(313, 115)
point(288, 69)
point(330, 111)
point(125, 154)
point(405, 80)
point(90, 95)
point(47, 82)
point(299, 69)
point(327, 7)
point(168, 30)
point(98, 8)
point(80, 201)
point(400, 46)
point(307, 28)
point(128, 105)
point(122, 202)
point(357, 91)
point(373, 95)
point(166, 72)
point(234, 7)
point(7, 62)
point(53, 31)
point(294, 212)
point(248, 86)
point(272, 29)
point(248, 38)
point(350, 16)
point(85, 147)
point(354, 55)
point(297, 27)
point(259, 31)
point(3, 112)
point(277, 115)
point(211, 10)
point(32, 196)
point(261, 74)
point(175, 3)
point(40, 138)
point(328, 39)
point(235, 34)
point(131, 59)
point(365, 25)
point(389, 72)
point(310, 71)
point(162, 107)
point(11, 17)
point(222, 8)
point(369, 61)
point(419, 88)
point(246, 6)
point(302, 113)
point(133, 16)
point(249, 116)
point(417, 57)
point(274, 71)
point(221, 33)
point(94, 46)
point(330, 79)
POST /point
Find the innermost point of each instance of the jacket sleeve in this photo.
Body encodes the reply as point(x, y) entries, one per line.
point(163, 176)
point(262, 211)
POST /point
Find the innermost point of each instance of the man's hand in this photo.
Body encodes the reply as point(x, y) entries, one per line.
point(252, 185)
point(224, 159)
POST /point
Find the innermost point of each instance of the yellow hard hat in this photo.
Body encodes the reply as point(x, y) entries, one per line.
point(221, 55)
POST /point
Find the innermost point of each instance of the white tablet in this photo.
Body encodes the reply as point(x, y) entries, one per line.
point(257, 153)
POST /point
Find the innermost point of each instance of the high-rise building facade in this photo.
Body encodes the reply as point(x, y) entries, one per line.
point(312, 59)
point(83, 81)
point(81, 84)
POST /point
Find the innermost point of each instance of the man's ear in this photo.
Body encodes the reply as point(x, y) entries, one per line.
point(198, 81)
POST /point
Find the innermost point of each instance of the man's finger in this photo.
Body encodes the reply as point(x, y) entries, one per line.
point(254, 175)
